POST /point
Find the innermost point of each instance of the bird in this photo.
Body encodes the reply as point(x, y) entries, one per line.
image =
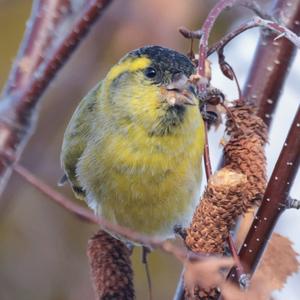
point(133, 147)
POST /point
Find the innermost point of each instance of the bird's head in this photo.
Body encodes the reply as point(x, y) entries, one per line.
point(150, 87)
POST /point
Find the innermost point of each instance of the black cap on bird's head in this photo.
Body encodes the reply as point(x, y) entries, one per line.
point(169, 69)
point(165, 60)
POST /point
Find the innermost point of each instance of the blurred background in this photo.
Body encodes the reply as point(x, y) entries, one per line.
point(43, 247)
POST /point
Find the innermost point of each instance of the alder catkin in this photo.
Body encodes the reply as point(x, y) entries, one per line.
point(232, 190)
point(220, 205)
point(244, 152)
point(111, 269)
point(217, 211)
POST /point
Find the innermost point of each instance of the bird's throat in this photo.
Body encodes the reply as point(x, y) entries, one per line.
point(169, 122)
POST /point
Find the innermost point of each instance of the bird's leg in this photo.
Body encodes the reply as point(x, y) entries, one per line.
point(179, 230)
point(145, 252)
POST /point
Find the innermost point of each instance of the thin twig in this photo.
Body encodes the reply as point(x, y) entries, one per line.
point(282, 31)
point(145, 252)
point(68, 204)
point(179, 252)
point(207, 163)
point(231, 35)
point(239, 267)
point(293, 203)
point(228, 72)
point(179, 292)
point(206, 29)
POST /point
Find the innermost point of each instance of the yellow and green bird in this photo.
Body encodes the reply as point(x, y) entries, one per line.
point(134, 145)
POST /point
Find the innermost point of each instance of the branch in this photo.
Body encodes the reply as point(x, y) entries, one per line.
point(268, 72)
point(207, 163)
point(282, 31)
point(231, 35)
point(205, 34)
point(275, 199)
point(206, 29)
point(22, 93)
point(39, 35)
point(242, 276)
point(272, 61)
point(87, 215)
point(103, 248)
point(68, 204)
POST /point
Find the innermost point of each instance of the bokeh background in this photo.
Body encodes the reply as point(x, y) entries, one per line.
point(43, 247)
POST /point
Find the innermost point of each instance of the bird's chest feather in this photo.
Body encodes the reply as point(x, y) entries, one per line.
point(140, 165)
point(144, 182)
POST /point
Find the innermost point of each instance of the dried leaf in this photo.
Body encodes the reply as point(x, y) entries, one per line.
point(279, 250)
point(207, 273)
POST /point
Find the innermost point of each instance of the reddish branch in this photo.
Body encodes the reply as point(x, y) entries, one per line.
point(264, 85)
point(231, 35)
point(203, 53)
point(87, 215)
point(23, 91)
point(275, 199)
point(281, 31)
point(206, 29)
point(38, 36)
point(68, 204)
point(272, 61)
point(240, 272)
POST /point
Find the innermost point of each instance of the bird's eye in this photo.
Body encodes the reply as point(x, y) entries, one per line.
point(150, 72)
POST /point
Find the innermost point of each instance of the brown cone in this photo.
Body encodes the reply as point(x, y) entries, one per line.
point(216, 213)
point(221, 204)
point(232, 190)
point(245, 150)
point(111, 270)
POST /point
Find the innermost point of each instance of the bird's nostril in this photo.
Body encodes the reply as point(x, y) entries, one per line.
point(177, 76)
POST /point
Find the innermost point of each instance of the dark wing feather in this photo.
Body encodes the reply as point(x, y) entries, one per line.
point(76, 138)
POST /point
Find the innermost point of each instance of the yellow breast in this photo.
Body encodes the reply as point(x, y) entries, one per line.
point(147, 183)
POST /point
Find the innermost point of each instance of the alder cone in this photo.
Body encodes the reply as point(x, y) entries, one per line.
point(244, 152)
point(216, 213)
point(221, 204)
point(203, 294)
point(111, 269)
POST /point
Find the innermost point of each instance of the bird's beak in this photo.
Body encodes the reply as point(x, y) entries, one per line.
point(180, 91)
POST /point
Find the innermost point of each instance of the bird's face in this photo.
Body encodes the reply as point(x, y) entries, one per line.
point(149, 87)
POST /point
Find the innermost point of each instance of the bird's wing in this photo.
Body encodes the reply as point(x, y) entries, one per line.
point(76, 138)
